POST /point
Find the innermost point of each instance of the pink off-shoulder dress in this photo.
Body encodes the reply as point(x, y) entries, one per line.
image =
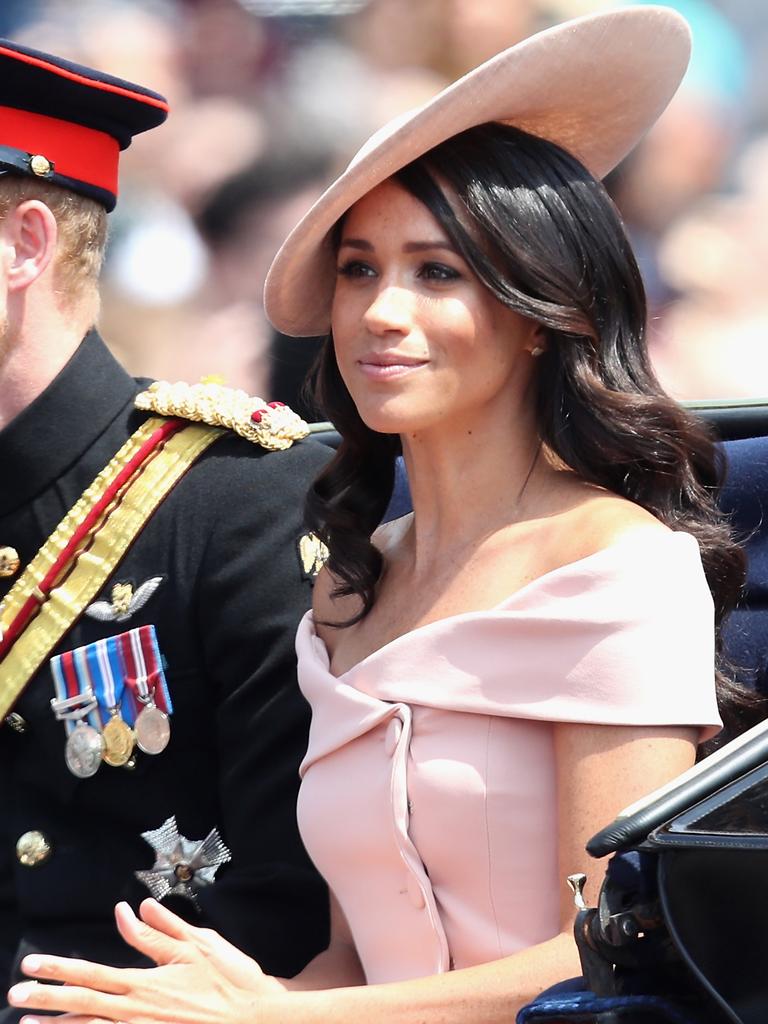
point(428, 790)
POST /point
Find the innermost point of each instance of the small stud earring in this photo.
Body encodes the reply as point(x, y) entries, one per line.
point(537, 351)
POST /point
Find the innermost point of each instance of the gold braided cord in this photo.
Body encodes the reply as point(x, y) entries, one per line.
point(275, 428)
point(40, 565)
point(102, 552)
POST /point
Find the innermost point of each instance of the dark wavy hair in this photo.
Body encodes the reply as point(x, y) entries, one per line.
point(546, 240)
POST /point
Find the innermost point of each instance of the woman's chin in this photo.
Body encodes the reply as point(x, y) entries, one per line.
point(391, 421)
point(384, 424)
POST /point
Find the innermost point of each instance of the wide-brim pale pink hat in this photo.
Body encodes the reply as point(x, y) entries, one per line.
point(594, 85)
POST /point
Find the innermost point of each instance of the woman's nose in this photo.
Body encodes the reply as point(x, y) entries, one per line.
point(390, 310)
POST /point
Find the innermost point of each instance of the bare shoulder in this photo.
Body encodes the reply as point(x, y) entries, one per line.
point(604, 519)
point(592, 518)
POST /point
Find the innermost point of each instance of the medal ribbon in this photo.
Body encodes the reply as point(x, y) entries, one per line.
point(68, 685)
point(101, 660)
point(72, 566)
point(143, 669)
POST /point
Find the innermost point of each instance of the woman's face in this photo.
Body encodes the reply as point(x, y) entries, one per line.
point(419, 341)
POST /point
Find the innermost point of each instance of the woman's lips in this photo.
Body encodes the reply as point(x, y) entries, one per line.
point(380, 367)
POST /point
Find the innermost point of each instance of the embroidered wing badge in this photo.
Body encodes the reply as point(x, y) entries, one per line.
point(125, 601)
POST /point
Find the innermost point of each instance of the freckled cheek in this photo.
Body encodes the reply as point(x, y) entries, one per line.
point(452, 345)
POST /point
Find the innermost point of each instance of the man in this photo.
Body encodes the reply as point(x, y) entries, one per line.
point(148, 599)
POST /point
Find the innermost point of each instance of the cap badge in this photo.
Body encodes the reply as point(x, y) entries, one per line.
point(40, 166)
point(182, 866)
point(125, 601)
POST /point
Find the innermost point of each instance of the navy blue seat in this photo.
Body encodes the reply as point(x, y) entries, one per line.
point(745, 499)
point(400, 503)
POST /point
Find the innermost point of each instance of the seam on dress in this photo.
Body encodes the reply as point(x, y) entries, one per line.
point(488, 834)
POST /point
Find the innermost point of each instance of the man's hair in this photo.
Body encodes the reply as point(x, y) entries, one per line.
point(82, 224)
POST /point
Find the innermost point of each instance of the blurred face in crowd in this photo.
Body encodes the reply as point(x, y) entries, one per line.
point(419, 341)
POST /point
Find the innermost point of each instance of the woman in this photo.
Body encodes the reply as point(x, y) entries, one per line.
point(494, 676)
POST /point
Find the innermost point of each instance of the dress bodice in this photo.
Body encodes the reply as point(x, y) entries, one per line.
point(428, 796)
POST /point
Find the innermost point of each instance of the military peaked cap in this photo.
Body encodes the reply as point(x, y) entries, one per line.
point(66, 123)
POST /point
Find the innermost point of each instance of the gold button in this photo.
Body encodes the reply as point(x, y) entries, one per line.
point(40, 165)
point(33, 848)
point(9, 561)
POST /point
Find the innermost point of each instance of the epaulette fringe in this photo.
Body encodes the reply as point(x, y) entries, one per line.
point(270, 424)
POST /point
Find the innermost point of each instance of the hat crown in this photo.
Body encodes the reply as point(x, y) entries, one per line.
point(593, 85)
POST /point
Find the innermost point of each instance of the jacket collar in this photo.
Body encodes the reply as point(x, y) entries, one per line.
point(55, 430)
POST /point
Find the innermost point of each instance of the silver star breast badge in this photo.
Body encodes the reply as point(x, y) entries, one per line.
point(182, 866)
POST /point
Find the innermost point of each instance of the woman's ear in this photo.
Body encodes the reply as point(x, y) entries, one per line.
point(537, 342)
point(31, 236)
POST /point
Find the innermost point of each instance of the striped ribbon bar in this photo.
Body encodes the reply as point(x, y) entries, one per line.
point(143, 671)
point(114, 669)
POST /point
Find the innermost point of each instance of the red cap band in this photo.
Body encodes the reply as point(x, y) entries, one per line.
point(76, 152)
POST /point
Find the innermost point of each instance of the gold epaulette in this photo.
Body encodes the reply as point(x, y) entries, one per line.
point(270, 424)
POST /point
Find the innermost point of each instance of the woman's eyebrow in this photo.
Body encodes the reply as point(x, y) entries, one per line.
point(356, 243)
point(365, 246)
point(424, 246)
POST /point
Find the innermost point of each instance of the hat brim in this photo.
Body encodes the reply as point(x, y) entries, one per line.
point(594, 86)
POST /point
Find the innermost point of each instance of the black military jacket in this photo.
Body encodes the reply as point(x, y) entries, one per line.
point(225, 542)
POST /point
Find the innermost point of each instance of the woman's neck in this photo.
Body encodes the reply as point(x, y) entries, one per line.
point(467, 483)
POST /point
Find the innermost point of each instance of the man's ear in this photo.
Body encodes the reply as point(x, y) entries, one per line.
point(31, 236)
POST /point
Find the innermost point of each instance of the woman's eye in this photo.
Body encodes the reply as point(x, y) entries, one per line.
point(438, 272)
point(355, 268)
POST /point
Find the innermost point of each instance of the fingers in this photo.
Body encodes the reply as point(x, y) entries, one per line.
point(29, 995)
point(235, 965)
point(163, 920)
point(68, 1018)
point(73, 972)
point(147, 939)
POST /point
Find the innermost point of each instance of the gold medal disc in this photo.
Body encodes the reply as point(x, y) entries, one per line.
point(118, 742)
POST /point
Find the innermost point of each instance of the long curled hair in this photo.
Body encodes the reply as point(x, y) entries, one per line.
point(541, 233)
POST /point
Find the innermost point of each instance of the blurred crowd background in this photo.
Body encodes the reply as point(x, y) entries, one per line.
point(270, 98)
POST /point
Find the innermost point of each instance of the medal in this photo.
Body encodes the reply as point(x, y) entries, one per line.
point(145, 682)
point(118, 740)
point(182, 866)
point(107, 672)
point(84, 750)
point(105, 691)
point(153, 730)
point(85, 744)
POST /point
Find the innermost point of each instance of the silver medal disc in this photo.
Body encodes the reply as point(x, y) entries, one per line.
point(153, 730)
point(83, 751)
